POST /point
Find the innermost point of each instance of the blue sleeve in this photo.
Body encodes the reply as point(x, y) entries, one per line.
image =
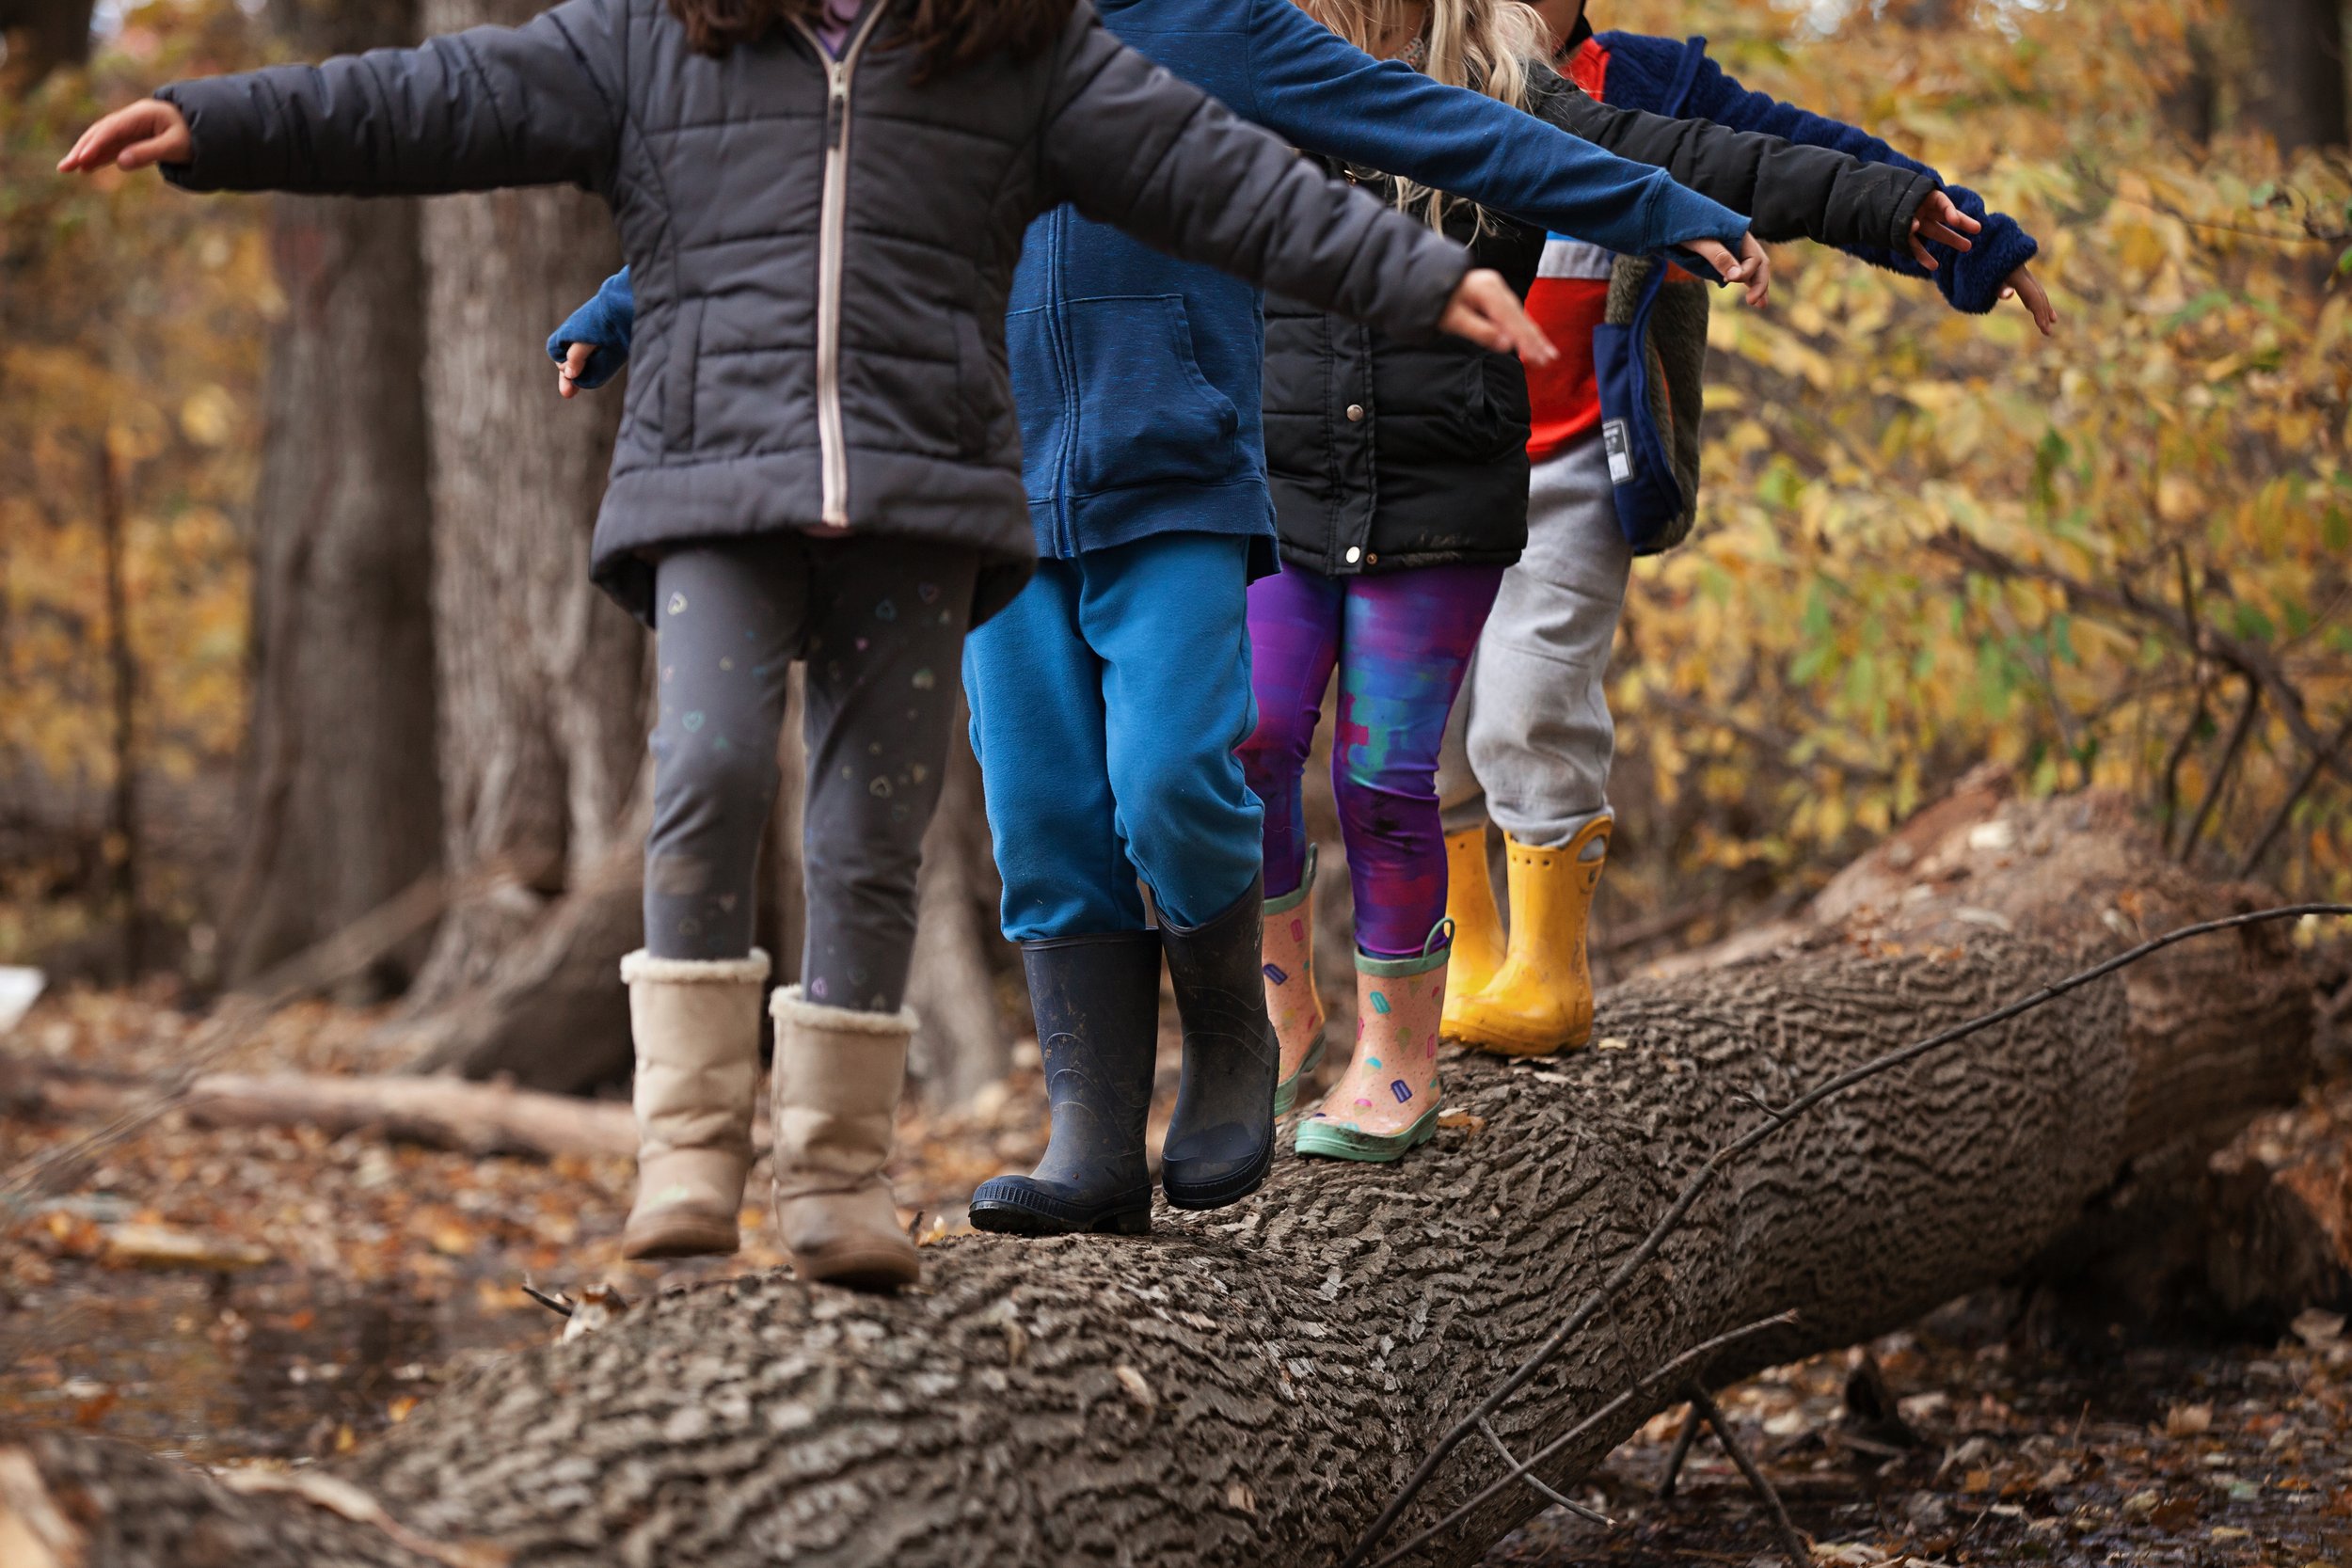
point(1970, 282)
point(1313, 88)
point(606, 321)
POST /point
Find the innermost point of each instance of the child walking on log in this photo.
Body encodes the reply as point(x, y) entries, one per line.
point(823, 207)
point(1108, 700)
point(1400, 486)
point(1533, 746)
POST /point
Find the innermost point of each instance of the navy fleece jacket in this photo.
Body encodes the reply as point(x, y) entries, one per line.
point(1138, 375)
point(1673, 77)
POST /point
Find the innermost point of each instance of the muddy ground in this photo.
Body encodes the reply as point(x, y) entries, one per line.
point(277, 1296)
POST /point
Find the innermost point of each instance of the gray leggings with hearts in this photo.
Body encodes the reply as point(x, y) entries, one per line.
point(880, 623)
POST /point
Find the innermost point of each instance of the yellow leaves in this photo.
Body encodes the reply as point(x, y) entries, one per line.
point(209, 415)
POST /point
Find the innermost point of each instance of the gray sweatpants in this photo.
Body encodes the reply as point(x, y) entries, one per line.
point(1530, 740)
point(880, 623)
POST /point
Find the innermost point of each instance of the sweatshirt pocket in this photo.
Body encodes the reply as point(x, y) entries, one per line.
point(1145, 414)
point(1039, 396)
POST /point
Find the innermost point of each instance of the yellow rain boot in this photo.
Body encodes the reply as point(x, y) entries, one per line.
point(1470, 903)
point(1541, 1001)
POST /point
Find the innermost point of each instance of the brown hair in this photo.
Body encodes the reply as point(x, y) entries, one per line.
point(946, 34)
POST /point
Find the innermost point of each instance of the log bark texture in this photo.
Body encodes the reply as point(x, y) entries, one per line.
point(1248, 1387)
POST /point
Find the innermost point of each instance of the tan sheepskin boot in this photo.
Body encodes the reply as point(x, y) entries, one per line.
point(835, 1107)
point(696, 1026)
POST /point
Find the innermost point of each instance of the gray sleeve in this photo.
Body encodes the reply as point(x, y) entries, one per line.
point(1132, 146)
point(538, 104)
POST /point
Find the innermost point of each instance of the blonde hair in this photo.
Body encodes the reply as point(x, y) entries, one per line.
point(1480, 44)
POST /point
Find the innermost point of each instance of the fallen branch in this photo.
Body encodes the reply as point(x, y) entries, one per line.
point(439, 1113)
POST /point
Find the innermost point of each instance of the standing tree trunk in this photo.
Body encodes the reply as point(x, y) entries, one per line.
point(2298, 95)
point(541, 676)
point(341, 797)
point(42, 35)
point(1248, 1387)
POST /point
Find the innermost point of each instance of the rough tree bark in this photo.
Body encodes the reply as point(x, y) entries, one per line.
point(542, 729)
point(340, 795)
point(541, 678)
point(1249, 1387)
point(2299, 94)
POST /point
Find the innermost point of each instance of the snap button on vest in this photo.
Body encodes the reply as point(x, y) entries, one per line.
point(1355, 553)
point(1355, 413)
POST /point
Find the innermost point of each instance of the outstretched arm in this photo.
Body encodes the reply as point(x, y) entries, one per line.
point(1314, 89)
point(1994, 269)
point(541, 103)
point(1791, 191)
point(1132, 146)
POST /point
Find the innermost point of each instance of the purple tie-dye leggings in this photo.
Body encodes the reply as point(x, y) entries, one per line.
point(1401, 642)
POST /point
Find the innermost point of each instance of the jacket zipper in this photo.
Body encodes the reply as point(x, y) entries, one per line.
point(832, 446)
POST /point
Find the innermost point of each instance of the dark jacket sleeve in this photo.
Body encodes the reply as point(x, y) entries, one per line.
point(1789, 192)
point(606, 323)
point(1131, 146)
point(538, 104)
point(1970, 282)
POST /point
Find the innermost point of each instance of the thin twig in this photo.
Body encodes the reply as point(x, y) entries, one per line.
point(1580, 1509)
point(1799, 1554)
point(1706, 1175)
point(2201, 714)
point(1688, 1358)
point(2236, 743)
point(2303, 783)
point(1692, 1423)
point(560, 1305)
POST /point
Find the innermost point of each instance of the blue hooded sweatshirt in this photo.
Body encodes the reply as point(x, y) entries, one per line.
point(1138, 374)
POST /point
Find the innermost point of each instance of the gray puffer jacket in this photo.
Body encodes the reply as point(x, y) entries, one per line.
point(821, 249)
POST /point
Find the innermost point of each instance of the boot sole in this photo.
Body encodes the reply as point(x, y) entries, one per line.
point(1286, 1092)
point(1223, 1191)
point(878, 1269)
point(682, 1238)
point(1331, 1140)
point(1001, 1218)
point(1458, 1032)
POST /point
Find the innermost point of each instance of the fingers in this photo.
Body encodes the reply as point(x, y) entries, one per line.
point(1485, 310)
point(1919, 252)
point(2031, 293)
point(1758, 264)
point(575, 365)
point(1716, 255)
point(140, 134)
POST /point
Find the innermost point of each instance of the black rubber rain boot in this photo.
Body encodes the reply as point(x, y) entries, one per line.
point(1222, 1142)
point(1098, 1025)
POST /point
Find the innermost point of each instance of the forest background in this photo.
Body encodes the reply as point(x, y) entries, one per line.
point(302, 690)
point(291, 524)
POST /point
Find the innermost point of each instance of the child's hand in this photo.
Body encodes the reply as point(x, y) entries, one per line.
point(1485, 310)
point(1938, 220)
point(1752, 267)
point(147, 131)
point(2027, 289)
point(575, 365)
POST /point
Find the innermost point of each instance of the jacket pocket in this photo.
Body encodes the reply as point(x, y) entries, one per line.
point(1041, 398)
point(1146, 413)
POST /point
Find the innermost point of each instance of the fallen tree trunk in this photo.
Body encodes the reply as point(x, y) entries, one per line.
point(1249, 1387)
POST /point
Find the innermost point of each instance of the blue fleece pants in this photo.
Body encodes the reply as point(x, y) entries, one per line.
point(1106, 703)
